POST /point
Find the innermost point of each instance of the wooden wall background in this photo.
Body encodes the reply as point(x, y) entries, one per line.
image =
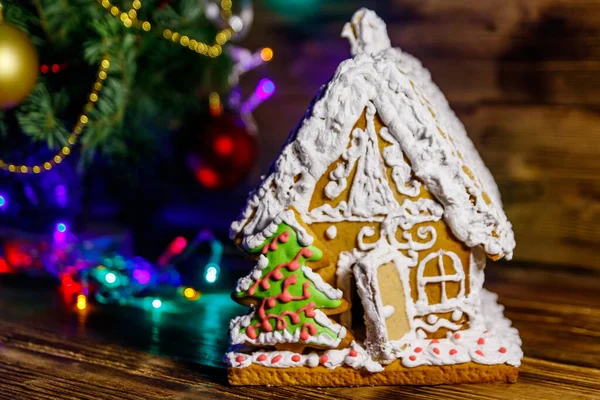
point(523, 76)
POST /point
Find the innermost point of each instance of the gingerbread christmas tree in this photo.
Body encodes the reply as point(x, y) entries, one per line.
point(287, 297)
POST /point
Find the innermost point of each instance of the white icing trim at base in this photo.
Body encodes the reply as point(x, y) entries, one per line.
point(284, 336)
point(496, 343)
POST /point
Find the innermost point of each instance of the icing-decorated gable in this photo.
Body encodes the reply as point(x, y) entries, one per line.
point(418, 121)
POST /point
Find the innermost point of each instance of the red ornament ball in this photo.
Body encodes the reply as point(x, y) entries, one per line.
point(224, 154)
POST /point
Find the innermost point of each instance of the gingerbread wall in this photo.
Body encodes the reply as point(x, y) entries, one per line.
point(347, 232)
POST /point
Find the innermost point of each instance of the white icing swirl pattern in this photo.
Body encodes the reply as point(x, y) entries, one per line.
point(418, 121)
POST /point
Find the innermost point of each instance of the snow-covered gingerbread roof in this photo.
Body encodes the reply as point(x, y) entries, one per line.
point(417, 117)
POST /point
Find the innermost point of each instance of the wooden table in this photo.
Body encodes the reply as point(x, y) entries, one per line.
point(49, 351)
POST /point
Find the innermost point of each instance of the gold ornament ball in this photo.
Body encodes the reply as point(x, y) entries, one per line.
point(19, 67)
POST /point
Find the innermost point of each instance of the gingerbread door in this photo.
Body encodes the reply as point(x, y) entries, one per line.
point(382, 282)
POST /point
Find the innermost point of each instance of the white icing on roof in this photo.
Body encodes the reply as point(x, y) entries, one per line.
point(417, 117)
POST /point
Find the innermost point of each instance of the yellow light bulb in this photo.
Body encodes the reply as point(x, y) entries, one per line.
point(266, 54)
point(81, 302)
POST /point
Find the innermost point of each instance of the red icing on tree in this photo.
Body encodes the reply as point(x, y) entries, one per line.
point(436, 350)
point(353, 353)
point(239, 359)
point(412, 358)
point(502, 349)
point(481, 341)
point(453, 352)
point(479, 352)
point(418, 349)
point(323, 359)
point(434, 341)
point(262, 357)
point(295, 358)
point(283, 238)
point(285, 296)
point(457, 336)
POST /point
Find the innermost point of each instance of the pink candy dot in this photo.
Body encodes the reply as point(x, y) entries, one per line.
point(262, 357)
point(295, 358)
point(457, 336)
point(275, 359)
point(412, 358)
point(502, 349)
point(479, 352)
point(453, 352)
point(239, 359)
point(324, 359)
point(418, 349)
point(436, 350)
point(353, 353)
point(481, 341)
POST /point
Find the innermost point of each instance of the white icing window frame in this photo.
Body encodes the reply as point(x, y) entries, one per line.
point(442, 278)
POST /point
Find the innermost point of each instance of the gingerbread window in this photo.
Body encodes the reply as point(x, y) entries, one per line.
point(442, 278)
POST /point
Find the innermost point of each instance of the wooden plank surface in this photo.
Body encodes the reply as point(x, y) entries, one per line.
point(523, 76)
point(49, 351)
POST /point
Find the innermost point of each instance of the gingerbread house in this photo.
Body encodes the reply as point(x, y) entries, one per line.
point(371, 232)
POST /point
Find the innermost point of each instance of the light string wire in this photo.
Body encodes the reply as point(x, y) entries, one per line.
point(128, 19)
point(75, 133)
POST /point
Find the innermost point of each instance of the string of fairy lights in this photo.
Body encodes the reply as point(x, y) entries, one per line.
point(129, 19)
point(73, 138)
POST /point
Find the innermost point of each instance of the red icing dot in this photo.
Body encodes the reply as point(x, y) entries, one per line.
point(239, 359)
point(262, 357)
point(275, 359)
point(481, 341)
point(457, 336)
point(479, 352)
point(418, 349)
point(436, 350)
point(434, 341)
point(296, 358)
point(502, 349)
point(453, 352)
point(412, 358)
point(304, 335)
point(485, 331)
point(353, 353)
point(324, 359)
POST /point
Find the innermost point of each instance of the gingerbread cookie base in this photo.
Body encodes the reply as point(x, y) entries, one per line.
point(393, 374)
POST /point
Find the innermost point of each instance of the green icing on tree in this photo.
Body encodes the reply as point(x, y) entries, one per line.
point(288, 298)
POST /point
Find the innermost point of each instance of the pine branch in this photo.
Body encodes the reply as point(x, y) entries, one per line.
point(37, 116)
